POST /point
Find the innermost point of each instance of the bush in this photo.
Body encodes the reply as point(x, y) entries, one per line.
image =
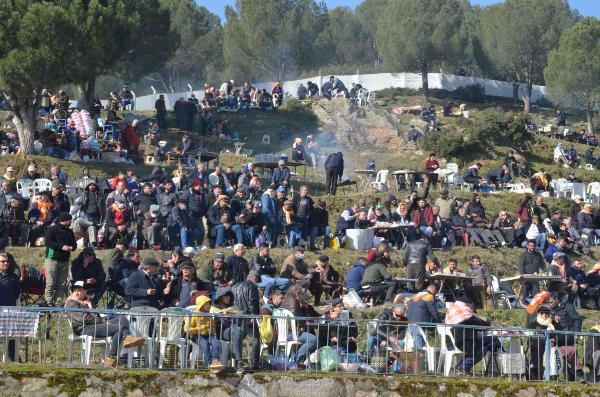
point(468, 93)
point(487, 129)
point(398, 92)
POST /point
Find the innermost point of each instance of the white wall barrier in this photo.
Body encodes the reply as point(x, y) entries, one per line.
point(375, 82)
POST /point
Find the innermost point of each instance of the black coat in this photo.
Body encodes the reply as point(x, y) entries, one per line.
point(530, 263)
point(335, 161)
point(58, 236)
point(95, 270)
point(137, 285)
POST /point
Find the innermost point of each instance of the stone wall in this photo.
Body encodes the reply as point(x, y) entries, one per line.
point(64, 383)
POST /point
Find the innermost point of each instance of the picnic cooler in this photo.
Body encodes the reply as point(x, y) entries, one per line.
point(409, 363)
point(360, 239)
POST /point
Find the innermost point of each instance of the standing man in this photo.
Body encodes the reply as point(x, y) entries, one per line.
point(334, 168)
point(9, 295)
point(161, 111)
point(417, 254)
point(304, 205)
point(531, 262)
point(60, 242)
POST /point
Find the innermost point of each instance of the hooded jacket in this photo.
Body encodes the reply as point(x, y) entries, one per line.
point(200, 325)
point(91, 204)
point(81, 273)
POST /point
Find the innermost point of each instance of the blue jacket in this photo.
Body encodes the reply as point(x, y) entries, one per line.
point(269, 210)
point(335, 160)
point(355, 275)
point(281, 175)
point(137, 286)
point(551, 250)
point(9, 289)
point(196, 203)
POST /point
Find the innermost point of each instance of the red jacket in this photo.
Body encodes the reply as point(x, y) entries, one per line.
point(431, 166)
point(130, 140)
point(428, 217)
point(523, 214)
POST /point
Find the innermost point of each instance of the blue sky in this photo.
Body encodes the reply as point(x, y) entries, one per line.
point(585, 7)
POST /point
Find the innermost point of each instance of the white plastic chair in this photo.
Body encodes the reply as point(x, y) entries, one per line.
point(174, 318)
point(589, 167)
point(140, 319)
point(578, 189)
point(286, 327)
point(510, 299)
point(87, 341)
point(430, 351)
point(380, 182)
point(266, 140)
point(448, 352)
point(40, 185)
point(593, 191)
point(23, 186)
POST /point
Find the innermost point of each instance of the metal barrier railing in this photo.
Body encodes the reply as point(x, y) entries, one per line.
point(179, 338)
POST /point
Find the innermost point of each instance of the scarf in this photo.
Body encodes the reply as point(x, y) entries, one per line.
point(546, 323)
point(44, 209)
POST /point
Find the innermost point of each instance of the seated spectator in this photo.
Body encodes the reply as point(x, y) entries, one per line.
point(559, 246)
point(152, 227)
point(290, 224)
point(13, 218)
point(499, 177)
point(482, 232)
point(558, 267)
point(506, 226)
point(215, 273)
point(143, 287)
point(389, 331)
point(540, 182)
point(221, 221)
point(183, 287)
point(471, 175)
point(540, 209)
point(413, 135)
point(298, 150)
point(355, 275)
point(85, 323)
point(202, 330)
point(471, 341)
point(265, 100)
point(263, 264)
point(227, 331)
point(347, 220)
point(297, 303)
point(585, 222)
point(377, 279)
point(41, 215)
point(319, 225)
point(536, 232)
point(580, 286)
point(88, 269)
point(296, 270)
point(337, 331)
point(118, 221)
point(281, 175)
point(423, 217)
point(91, 212)
point(237, 265)
point(325, 280)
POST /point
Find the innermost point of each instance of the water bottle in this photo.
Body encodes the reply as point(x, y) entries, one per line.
point(444, 242)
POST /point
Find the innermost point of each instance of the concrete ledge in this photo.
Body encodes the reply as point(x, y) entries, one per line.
point(40, 382)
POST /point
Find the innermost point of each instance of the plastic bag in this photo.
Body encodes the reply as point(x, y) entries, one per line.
point(329, 359)
point(353, 301)
point(266, 329)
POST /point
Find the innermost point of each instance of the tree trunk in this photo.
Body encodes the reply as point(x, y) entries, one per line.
point(425, 81)
point(515, 92)
point(87, 89)
point(25, 116)
point(589, 113)
point(527, 97)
